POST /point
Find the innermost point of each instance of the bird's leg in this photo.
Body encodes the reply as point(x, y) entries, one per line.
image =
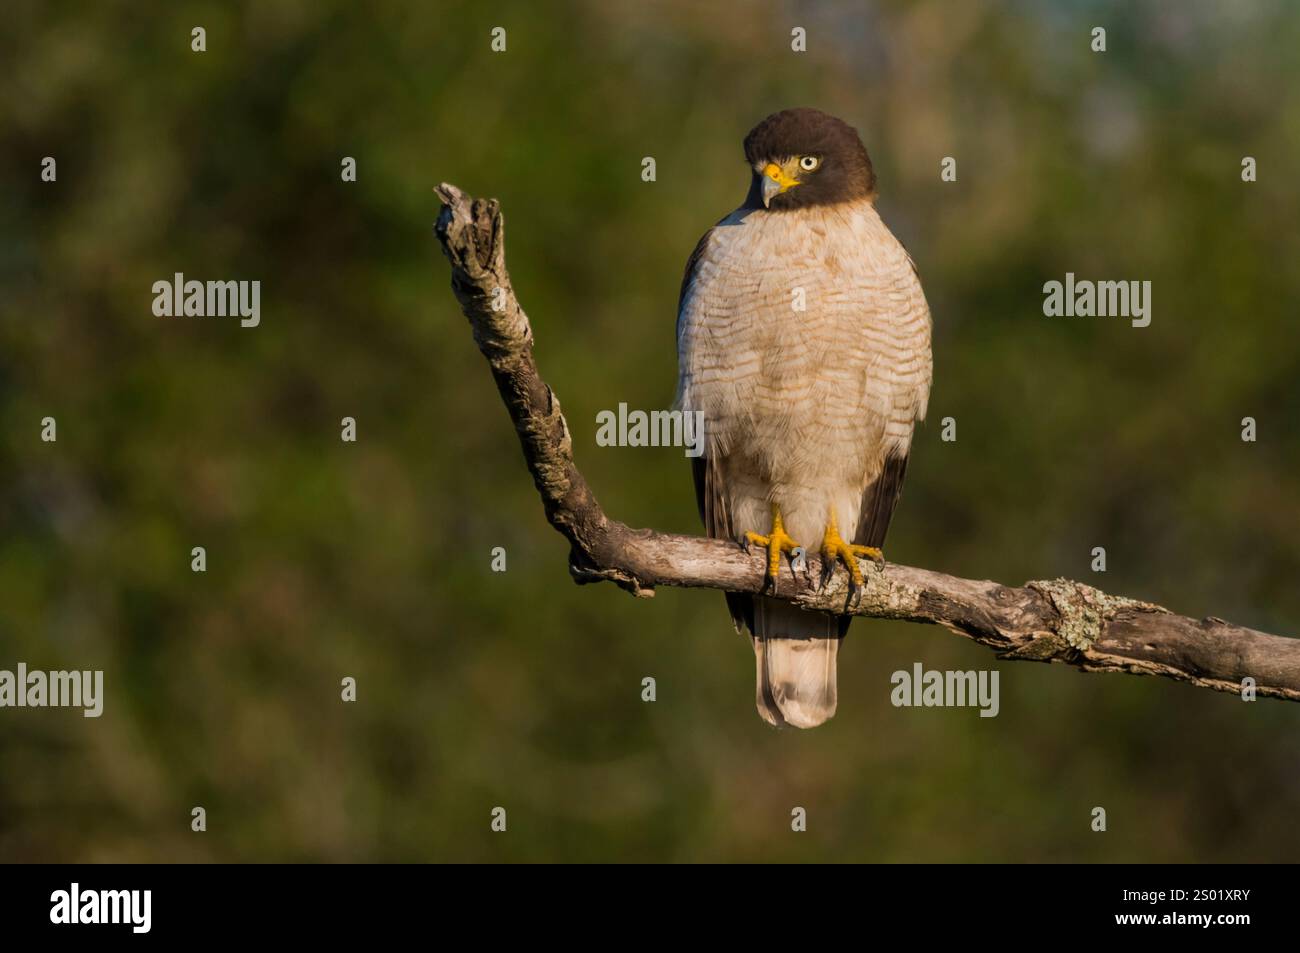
point(776, 543)
point(834, 549)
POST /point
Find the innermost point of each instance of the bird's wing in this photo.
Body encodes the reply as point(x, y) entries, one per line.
point(688, 276)
point(709, 486)
point(908, 402)
point(717, 524)
point(878, 502)
point(908, 397)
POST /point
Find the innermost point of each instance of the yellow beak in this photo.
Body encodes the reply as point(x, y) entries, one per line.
point(775, 181)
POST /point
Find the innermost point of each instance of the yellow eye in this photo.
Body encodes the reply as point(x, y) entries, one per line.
point(808, 163)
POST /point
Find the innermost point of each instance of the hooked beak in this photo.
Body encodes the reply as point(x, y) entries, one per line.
point(775, 181)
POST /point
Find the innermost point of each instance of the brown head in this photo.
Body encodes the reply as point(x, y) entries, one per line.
point(805, 157)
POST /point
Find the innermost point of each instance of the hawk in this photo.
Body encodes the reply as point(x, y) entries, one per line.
point(804, 338)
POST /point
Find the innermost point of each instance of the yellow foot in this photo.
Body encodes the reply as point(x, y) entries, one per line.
point(835, 549)
point(777, 543)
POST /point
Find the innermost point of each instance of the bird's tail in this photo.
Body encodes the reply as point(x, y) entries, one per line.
point(795, 653)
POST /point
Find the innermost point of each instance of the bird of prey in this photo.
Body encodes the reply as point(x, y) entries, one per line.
point(804, 338)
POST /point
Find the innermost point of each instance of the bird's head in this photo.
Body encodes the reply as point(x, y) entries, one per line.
point(805, 157)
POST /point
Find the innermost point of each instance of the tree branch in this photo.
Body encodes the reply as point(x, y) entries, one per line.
point(1046, 621)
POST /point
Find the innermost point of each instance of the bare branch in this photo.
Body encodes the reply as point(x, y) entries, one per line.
point(1046, 621)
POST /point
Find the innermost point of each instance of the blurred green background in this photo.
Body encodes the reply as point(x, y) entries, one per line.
point(519, 689)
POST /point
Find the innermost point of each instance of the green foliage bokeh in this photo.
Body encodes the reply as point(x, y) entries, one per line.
point(372, 559)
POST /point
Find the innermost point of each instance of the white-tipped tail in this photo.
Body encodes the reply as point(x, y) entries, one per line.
point(795, 653)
